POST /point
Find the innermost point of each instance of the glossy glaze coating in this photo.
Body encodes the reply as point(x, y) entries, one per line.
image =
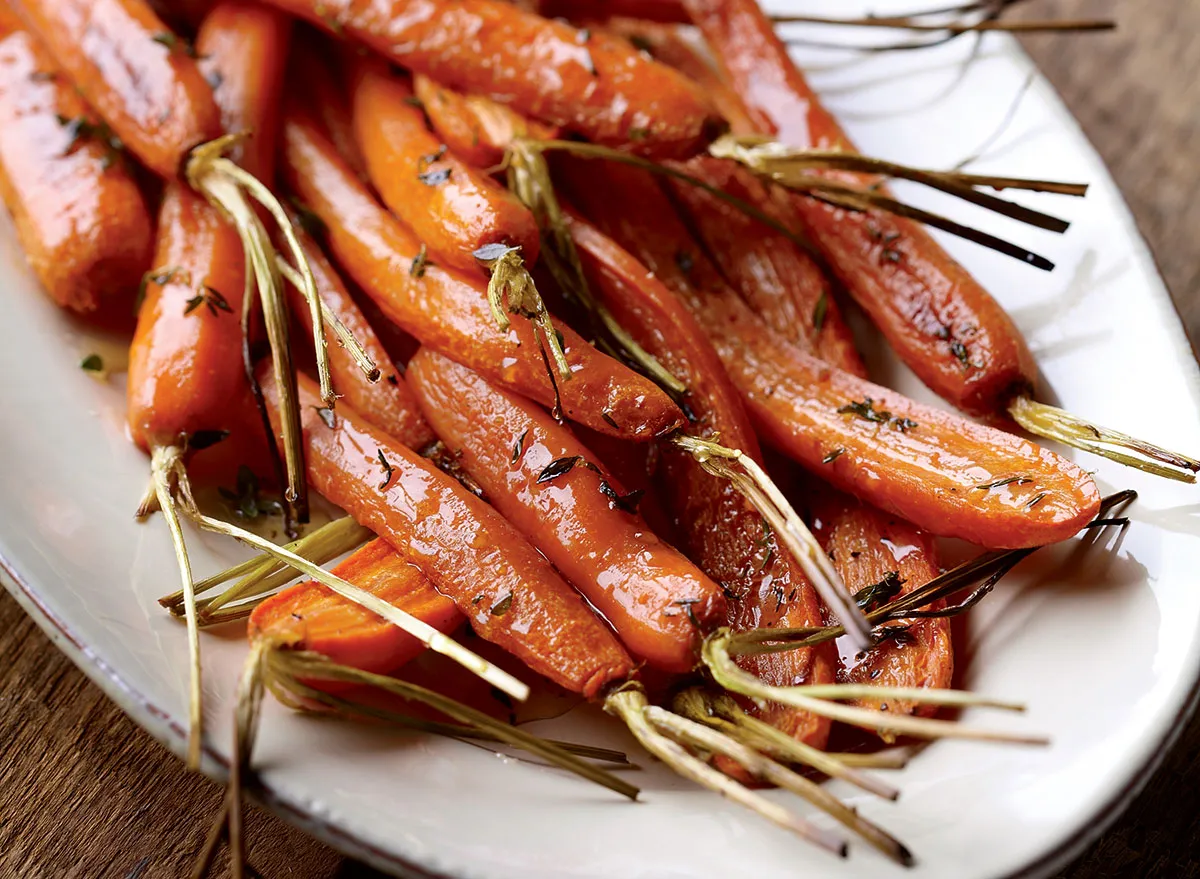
point(243, 49)
point(448, 311)
point(941, 322)
point(134, 72)
point(82, 223)
point(475, 128)
point(594, 85)
point(505, 588)
point(309, 616)
point(448, 205)
point(719, 529)
point(867, 546)
point(928, 473)
point(659, 603)
point(388, 403)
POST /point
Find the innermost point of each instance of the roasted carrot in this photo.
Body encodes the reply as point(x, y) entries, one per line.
point(941, 322)
point(452, 208)
point(504, 587)
point(79, 215)
point(941, 472)
point(388, 403)
point(138, 76)
point(720, 530)
point(594, 85)
point(320, 619)
point(912, 653)
point(449, 312)
point(541, 479)
point(185, 363)
point(242, 48)
point(476, 129)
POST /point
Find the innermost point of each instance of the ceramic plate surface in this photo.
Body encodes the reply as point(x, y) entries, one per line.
point(1103, 645)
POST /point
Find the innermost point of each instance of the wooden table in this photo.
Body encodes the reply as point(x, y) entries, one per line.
point(85, 794)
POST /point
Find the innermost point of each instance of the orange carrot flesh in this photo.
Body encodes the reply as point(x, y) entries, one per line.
point(919, 653)
point(505, 588)
point(721, 532)
point(941, 322)
point(133, 71)
point(81, 220)
point(476, 129)
point(387, 403)
point(242, 49)
point(941, 472)
point(537, 474)
point(451, 207)
point(594, 85)
point(449, 312)
point(309, 616)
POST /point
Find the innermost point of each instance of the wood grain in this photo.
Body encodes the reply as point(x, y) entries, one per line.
point(85, 794)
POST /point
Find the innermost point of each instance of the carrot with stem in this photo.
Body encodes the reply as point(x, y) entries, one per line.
point(941, 322)
point(79, 215)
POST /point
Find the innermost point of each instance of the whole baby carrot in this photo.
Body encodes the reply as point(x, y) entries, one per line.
point(80, 219)
point(452, 208)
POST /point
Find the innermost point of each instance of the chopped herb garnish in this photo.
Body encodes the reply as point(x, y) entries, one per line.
point(685, 261)
point(202, 439)
point(870, 597)
point(174, 41)
point(608, 419)
point(637, 133)
point(558, 467)
point(327, 416)
point(686, 604)
point(81, 128)
point(248, 504)
point(92, 363)
point(427, 160)
point(414, 101)
point(1008, 480)
point(519, 447)
point(867, 412)
point(420, 263)
point(833, 456)
point(388, 470)
point(161, 277)
point(626, 502)
point(392, 379)
point(1037, 499)
point(819, 311)
point(959, 350)
point(500, 608)
point(436, 177)
point(210, 297)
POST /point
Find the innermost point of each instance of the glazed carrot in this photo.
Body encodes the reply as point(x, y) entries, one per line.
point(80, 218)
point(449, 312)
point(720, 530)
point(320, 619)
point(919, 652)
point(536, 473)
point(945, 474)
point(594, 85)
point(941, 322)
point(135, 73)
point(476, 129)
point(388, 403)
point(504, 587)
point(452, 208)
point(242, 48)
point(185, 361)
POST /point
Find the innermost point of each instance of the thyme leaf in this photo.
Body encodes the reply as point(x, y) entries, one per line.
point(833, 456)
point(174, 41)
point(870, 597)
point(1008, 480)
point(558, 467)
point(245, 496)
point(519, 447)
point(820, 309)
point(435, 177)
point(327, 415)
point(387, 468)
point(420, 263)
point(501, 607)
point(211, 298)
point(81, 128)
point(865, 409)
point(92, 363)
